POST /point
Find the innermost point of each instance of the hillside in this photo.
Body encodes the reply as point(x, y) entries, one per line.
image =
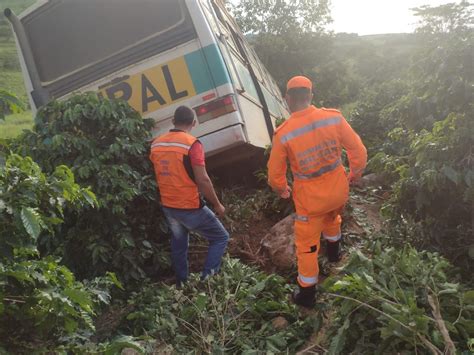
point(10, 75)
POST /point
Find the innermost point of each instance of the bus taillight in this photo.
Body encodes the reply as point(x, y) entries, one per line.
point(216, 108)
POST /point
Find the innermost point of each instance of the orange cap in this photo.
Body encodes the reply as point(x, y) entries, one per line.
point(299, 82)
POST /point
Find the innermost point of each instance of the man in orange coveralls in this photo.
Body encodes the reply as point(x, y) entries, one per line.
point(312, 140)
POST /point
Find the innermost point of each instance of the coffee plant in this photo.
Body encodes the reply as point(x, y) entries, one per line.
point(436, 189)
point(107, 145)
point(39, 298)
point(400, 301)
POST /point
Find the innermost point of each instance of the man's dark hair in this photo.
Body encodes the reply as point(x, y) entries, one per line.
point(299, 94)
point(183, 116)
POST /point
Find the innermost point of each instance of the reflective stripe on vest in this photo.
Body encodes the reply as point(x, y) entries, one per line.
point(311, 127)
point(170, 144)
point(322, 171)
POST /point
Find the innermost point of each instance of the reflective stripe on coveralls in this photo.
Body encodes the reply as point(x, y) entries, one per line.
point(334, 238)
point(311, 127)
point(323, 170)
point(308, 280)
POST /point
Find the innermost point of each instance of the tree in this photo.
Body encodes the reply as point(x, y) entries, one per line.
point(291, 38)
point(282, 17)
point(442, 75)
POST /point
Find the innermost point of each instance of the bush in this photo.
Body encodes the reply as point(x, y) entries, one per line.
point(400, 301)
point(107, 145)
point(436, 189)
point(40, 299)
point(231, 312)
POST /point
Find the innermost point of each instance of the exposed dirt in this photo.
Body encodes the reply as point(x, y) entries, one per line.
point(361, 218)
point(246, 244)
point(108, 322)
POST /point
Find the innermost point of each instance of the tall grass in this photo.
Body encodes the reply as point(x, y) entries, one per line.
point(15, 124)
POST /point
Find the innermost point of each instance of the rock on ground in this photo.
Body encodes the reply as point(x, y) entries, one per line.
point(280, 323)
point(279, 244)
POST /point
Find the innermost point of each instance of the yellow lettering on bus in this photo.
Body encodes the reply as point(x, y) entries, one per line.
point(154, 88)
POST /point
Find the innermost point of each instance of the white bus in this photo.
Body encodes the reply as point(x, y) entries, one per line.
point(157, 55)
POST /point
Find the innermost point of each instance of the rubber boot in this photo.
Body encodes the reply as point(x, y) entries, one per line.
point(305, 296)
point(333, 251)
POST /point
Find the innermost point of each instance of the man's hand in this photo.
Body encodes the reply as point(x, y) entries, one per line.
point(285, 194)
point(219, 209)
point(354, 180)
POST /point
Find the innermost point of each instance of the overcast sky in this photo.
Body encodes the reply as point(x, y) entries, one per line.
point(376, 16)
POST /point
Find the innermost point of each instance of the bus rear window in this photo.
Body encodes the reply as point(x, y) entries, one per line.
point(68, 36)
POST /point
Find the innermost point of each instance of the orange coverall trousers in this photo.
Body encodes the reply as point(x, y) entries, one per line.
point(308, 232)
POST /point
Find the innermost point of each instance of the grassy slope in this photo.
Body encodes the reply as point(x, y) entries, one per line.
point(15, 124)
point(11, 78)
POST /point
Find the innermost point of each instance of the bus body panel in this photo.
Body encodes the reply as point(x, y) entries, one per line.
point(254, 122)
point(193, 73)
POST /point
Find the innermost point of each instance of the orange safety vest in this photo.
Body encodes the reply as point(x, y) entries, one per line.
point(169, 153)
point(312, 141)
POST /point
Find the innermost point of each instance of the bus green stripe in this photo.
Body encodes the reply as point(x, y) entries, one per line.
point(207, 68)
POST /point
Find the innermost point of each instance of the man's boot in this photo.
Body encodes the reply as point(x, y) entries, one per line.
point(333, 251)
point(305, 296)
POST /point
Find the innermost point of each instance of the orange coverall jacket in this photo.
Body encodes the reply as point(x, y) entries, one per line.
point(312, 141)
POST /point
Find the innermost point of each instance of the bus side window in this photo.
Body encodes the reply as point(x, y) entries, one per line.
point(246, 78)
point(238, 54)
point(230, 61)
point(224, 29)
point(218, 12)
point(211, 19)
point(250, 55)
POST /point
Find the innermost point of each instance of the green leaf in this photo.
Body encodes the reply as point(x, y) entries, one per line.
point(112, 277)
point(79, 297)
point(70, 325)
point(339, 341)
point(90, 197)
point(120, 343)
point(31, 221)
point(469, 297)
point(201, 301)
point(451, 174)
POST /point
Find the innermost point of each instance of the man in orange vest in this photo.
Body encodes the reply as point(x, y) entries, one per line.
point(312, 140)
point(180, 169)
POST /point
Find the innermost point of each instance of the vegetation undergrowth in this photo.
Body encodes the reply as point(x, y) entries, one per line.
point(240, 310)
point(106, 144)
point(400, 300)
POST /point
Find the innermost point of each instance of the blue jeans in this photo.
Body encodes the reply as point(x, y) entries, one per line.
point(204, 222)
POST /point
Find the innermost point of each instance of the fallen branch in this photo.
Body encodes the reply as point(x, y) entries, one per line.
point(450, 347)
point(312, 346)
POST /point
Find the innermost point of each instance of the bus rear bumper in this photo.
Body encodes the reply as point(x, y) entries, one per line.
point(223, 139)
